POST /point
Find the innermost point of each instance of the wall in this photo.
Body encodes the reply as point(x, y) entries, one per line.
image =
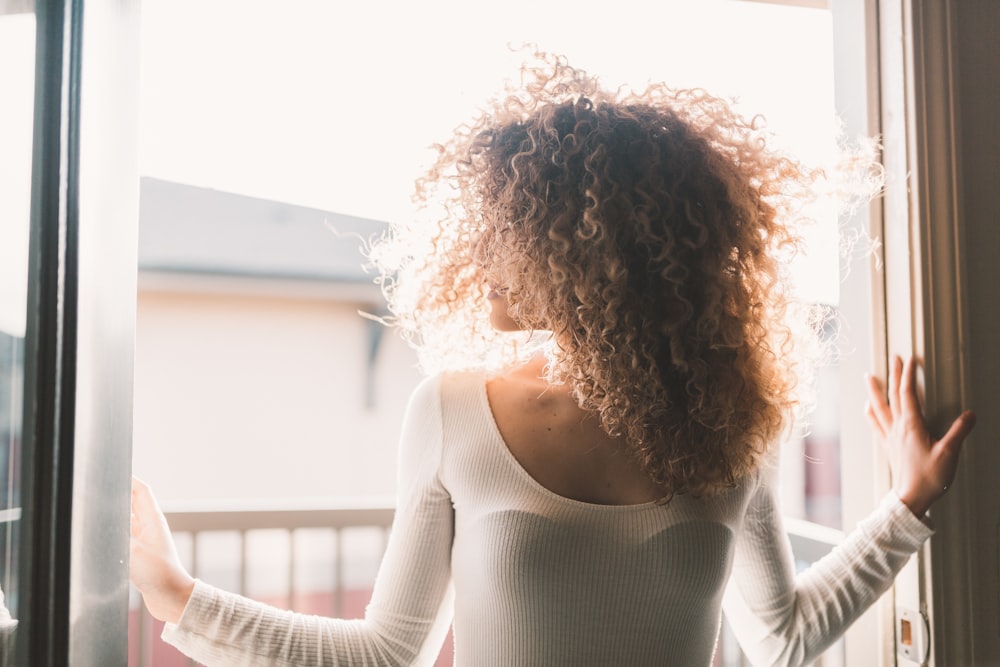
point(238, 396)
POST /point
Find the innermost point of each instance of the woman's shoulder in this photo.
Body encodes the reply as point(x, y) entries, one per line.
point(446, 388)
point(438, 404)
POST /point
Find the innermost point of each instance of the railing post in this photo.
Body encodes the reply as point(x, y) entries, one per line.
point(243, 563)
point(291, 568)
point(338, 609)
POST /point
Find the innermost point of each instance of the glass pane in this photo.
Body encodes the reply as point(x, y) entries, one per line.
point(17, 57)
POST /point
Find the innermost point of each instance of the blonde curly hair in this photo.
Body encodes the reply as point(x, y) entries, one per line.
point(642, 230)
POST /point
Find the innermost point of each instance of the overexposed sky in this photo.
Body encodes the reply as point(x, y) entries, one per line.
point(336, 105)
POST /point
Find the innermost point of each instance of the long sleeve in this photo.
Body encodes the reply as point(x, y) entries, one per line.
point(783, 619)
point(410, 610)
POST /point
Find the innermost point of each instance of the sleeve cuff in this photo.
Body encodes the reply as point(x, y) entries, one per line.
point(191, 619)
point(902, 524)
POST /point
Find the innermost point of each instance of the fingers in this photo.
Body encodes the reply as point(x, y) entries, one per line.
point(957, 432)
point(874, 421)
point(902, 392)
point(895, 373)
point(146, 513)
point(908, 402)
point(139, 486)
point(878, 409)
point(142, 497)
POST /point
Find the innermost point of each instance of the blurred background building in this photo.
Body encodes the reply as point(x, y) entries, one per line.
point(256, 374)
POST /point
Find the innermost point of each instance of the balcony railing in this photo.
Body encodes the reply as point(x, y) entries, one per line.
point(193, 525)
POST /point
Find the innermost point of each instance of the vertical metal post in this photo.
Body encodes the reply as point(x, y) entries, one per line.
point(50, 343)
point(73, 554)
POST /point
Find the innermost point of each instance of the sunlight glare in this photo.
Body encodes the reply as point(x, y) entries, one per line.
point(336, 106)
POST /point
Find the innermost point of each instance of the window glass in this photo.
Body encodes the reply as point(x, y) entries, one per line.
point(17, 51)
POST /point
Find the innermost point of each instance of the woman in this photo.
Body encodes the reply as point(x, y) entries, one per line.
point(601, 497)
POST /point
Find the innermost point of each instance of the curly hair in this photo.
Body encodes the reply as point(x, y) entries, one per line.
point(643, 231)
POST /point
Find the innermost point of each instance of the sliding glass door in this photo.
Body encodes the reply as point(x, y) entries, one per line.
point(68, 210)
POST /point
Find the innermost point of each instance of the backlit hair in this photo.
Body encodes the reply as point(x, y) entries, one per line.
point(643, 230)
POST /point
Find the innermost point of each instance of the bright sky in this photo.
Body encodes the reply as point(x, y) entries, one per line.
point(335, 105)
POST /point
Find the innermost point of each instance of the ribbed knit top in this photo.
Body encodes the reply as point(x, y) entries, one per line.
point(543, 580)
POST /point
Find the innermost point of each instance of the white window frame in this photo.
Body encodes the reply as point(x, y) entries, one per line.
point(864, 469)
point(862, 305)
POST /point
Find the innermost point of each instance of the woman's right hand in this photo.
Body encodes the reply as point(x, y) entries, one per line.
point(154, 567)
point(922, 467)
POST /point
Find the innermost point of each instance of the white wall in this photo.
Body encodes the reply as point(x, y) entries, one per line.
point(240, 396)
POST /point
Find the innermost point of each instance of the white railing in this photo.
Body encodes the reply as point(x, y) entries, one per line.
point(811, 541)
point(242, 519)
point(192, 524)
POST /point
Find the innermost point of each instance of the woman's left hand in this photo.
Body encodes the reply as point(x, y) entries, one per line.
point(154, 567)
point(922, 468)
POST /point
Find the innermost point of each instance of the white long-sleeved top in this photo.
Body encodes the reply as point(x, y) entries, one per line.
point(544, 580)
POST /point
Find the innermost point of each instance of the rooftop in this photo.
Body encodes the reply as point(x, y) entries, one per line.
point(185, 229)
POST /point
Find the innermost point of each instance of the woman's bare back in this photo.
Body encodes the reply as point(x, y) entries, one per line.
point(562, 447)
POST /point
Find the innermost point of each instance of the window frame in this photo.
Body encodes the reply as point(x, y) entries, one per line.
point(857, 96)
point(862, 311)
point(915, 301)
point(76, 438)
point(934, 99)
point(940, 264)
